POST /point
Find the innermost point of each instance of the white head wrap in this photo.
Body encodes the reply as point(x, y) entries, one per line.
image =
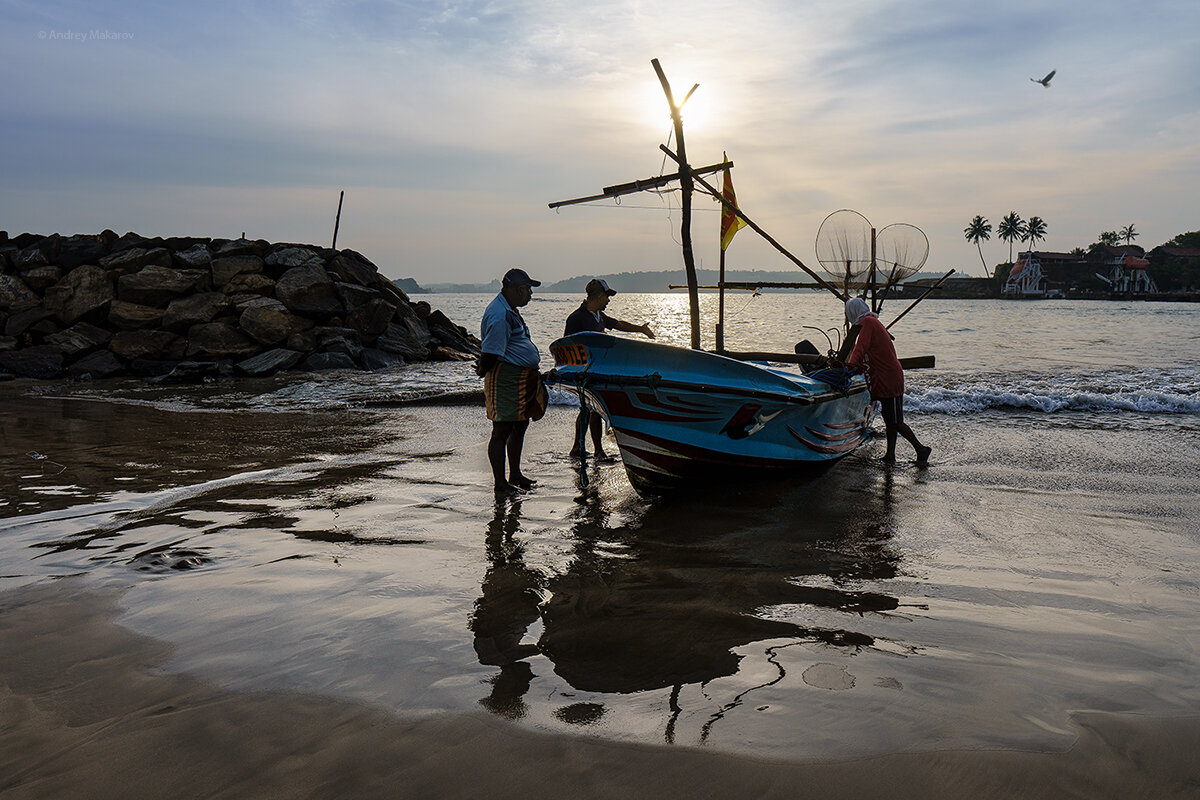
point(856, 309)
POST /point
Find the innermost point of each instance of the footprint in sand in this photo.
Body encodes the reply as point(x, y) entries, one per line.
point(828, 676)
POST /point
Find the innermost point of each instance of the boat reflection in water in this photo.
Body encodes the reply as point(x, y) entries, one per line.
point(667, 599)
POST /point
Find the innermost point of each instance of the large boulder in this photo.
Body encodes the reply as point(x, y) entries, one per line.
point(75, 251)
point(147, 344)
point(100, 364)
point(225, 268)
point(22, 321)
point(323, 361)
point(15, 294)
point(398, 339)
point(216, 340)
point(270, 362)
point(439, 352)
point(133, 316)
point(308, 290)
point(84, 292)
point(80, 338)
point(416, 327)
point(353, 267)
point(240, 247)
point(304, 341)
point(195, 257)
point(195, 309)
point(371, 319)
point(39, 279)
point(242, 302)
point(178, 244)
point(136, 258)
point(250, 283)
point(270, 326)
point(201, 279)
point(375, 359)
point(42, 361)
point(130, 241)
point(352, 295)
point(451, 335)
point(30, 257)
point(154, 286)
point(287, 257)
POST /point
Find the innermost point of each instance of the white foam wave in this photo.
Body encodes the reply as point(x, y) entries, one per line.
point(1058, 395)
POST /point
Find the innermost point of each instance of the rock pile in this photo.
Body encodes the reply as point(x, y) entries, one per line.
point(96, 306)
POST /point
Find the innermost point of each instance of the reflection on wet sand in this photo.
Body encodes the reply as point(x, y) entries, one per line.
point(667, 598)
point(144, 486)
point(507, 607)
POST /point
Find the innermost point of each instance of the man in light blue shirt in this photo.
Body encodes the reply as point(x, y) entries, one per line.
point(513, 388)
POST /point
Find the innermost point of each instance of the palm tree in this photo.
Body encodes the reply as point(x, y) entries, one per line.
point(1110, 238)
point(980, 230)
point(1128, 233)
point(1010, 229)
point(1035, 229)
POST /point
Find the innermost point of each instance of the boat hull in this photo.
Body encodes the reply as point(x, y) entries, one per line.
point(684, 416)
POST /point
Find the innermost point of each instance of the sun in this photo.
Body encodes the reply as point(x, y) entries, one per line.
point(656, 113)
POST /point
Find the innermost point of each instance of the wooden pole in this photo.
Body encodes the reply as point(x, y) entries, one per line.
point(720, 338)
point(685, 225)
point(337, 220)
point(871, 280)
point(824, 284)
point(919, 299)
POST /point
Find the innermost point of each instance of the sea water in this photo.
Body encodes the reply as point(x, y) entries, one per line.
point(307, 533)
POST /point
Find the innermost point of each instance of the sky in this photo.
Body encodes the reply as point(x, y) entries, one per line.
point(451, 125)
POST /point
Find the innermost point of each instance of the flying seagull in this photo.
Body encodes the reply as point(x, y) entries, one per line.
point(1046, 80)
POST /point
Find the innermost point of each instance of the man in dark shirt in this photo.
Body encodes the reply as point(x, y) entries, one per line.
point(590, 316)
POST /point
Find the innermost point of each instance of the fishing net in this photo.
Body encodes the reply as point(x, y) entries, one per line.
point(900, 251)
point(844, 246)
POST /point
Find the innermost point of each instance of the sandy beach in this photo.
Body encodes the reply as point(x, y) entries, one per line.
point(88, 713)
point(301, 586)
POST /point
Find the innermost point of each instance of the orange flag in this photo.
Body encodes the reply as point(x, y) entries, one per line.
point(731, 223)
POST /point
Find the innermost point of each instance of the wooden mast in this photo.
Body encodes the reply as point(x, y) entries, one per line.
point(685, 225)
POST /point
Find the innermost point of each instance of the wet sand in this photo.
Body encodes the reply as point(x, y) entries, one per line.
point(87, 713)
point(244, 590)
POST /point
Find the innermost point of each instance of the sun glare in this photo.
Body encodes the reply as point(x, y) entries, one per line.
point(695, 112)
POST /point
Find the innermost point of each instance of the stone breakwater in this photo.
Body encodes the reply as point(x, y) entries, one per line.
point(187, 308)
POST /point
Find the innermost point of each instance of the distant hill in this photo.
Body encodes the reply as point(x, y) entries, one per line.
point(653, 281)
point(410, 286)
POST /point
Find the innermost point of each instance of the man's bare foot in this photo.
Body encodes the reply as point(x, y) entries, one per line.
point(505, 489)
point(888, 458)
point(923, 455)
point(521, 482)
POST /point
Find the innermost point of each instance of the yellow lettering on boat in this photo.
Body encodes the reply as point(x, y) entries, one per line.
point(570, 355)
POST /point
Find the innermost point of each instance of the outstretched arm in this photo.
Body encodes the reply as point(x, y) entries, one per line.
point(629, 327)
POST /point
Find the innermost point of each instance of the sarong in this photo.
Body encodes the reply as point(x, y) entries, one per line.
point(513, 393)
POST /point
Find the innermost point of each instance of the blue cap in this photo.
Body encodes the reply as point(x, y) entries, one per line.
point(519, 277)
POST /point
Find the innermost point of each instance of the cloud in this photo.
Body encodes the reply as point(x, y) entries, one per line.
point(461, 120)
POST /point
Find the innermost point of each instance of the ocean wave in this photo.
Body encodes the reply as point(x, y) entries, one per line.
point(1142, 392)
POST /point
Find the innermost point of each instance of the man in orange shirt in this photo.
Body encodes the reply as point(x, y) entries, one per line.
point(874, 354)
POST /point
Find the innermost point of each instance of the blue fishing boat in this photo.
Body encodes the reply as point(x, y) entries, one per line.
point(681, 416)
point(686, 415)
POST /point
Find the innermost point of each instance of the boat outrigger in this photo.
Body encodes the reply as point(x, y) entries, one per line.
point(682, 416)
